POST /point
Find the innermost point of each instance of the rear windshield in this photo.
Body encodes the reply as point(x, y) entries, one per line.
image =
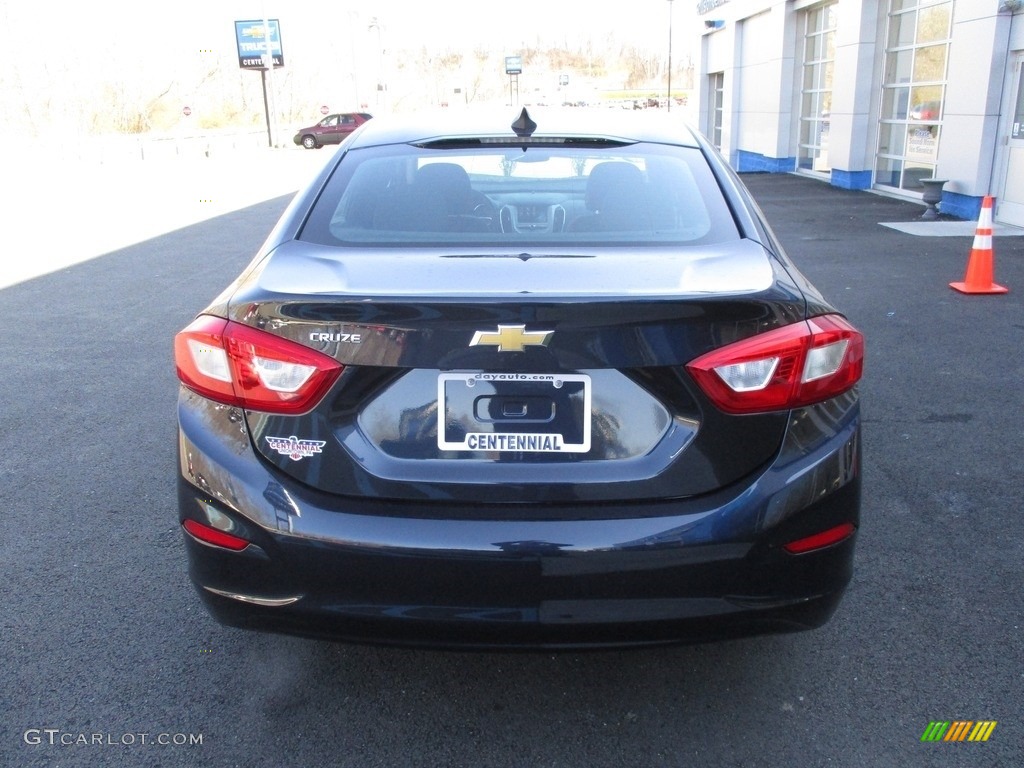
point(638, 194)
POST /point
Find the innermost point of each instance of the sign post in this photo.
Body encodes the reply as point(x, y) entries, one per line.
point(260, 48)
point(513, 68)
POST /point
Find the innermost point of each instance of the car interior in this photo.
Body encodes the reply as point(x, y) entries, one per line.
point(515, 196)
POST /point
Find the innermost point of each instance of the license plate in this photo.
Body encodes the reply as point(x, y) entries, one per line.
point(513, 412)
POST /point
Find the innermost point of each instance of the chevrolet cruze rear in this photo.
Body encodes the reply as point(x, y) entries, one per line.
point(489, 385)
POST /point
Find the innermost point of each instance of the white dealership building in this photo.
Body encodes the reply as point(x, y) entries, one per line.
point(871, 94)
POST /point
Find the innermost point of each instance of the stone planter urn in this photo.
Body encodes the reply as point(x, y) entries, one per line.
point(932, 197)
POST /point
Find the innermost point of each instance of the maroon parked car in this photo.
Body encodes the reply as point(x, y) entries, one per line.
point(331, 130)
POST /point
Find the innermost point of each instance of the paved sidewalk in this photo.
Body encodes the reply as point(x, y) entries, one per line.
point(950, 228)
point(64, 213)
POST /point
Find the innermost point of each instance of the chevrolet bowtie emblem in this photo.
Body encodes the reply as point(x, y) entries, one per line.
point(512, 338)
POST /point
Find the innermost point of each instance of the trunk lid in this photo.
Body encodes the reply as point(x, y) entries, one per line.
point(557, 376)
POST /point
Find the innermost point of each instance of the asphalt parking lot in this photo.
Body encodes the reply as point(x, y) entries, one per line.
point(105, 647)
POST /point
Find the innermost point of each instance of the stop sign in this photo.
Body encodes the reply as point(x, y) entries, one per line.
point(186, 111)
point(324, 110)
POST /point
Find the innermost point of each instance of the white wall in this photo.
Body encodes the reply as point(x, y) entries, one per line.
point(854, 98)
point(977, 64)
point(765, 77)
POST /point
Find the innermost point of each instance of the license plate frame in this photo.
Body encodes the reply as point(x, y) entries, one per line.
point(538, 413)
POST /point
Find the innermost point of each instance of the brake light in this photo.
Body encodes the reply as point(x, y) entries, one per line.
point(235, 364)
point(788, 367)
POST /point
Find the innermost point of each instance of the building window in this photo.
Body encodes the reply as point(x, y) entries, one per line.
point(913, 91)
point(716, 81)
point(819, 30)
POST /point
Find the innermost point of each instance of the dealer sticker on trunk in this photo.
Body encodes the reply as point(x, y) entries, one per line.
point(294, 448)
point(513, 412)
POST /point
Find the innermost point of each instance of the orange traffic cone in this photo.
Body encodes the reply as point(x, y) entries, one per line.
point(979, 267)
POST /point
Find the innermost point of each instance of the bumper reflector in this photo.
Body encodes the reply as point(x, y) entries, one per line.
point(820, 540)
point(212, 536)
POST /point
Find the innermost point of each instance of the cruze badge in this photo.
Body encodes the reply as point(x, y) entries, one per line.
point(511, 338)
point(346, 338)
point(294, 448)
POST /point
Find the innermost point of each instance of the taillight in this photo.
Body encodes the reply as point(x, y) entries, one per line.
point(788, 367)
point(235, 364)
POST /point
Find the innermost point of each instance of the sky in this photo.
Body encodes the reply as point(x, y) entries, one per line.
point(86, 30)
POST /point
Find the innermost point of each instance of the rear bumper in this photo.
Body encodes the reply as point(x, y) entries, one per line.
point(367, 570)
point(475, 628)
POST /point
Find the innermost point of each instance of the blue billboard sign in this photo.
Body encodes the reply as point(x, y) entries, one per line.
point(251, 44)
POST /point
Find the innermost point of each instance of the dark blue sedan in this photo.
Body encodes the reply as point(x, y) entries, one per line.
point(520, 380)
